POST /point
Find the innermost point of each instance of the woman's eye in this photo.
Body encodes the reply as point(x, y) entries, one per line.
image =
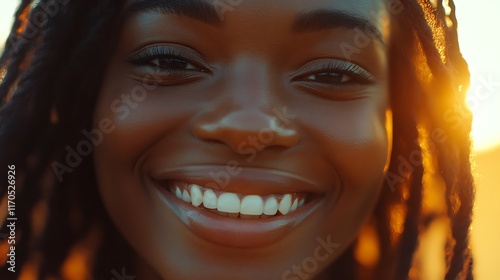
point(168, 64)
point(334, 73)
point(172, 64)
point(329, 77)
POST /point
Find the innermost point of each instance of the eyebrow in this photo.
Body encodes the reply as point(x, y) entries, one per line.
point(328, 19)
point(304, 22)
point(196, 9)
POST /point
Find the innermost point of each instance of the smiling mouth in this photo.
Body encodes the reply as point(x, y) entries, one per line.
point(256, 207)
point(237, 205)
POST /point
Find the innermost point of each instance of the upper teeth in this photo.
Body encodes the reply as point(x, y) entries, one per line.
point(235, 205)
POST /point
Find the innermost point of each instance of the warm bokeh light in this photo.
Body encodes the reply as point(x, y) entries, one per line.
point(480, 44)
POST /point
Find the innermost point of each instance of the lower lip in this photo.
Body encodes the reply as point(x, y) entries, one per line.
point(235, 232)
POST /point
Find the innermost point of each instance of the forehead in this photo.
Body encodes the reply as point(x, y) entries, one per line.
point(283, 3)
point(265, 16)
point(368, 9)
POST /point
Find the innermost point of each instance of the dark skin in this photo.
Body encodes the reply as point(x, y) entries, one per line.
point(218, 84)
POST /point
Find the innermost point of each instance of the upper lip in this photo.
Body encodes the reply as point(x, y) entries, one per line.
point(246, 180)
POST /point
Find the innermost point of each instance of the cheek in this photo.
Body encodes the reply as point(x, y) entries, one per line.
point(141, 114)
point(119, 101)
point(139, 119)
point(356, 139)
point(359, 148)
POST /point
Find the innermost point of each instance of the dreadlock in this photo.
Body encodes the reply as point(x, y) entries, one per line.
point(425, 35)
point(48, 41)
point(50, 74)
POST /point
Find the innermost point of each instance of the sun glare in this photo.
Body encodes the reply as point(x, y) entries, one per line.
point(480, 45)
point(7, 9)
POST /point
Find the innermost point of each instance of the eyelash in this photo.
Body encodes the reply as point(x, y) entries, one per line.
point(144, 58)
point(357, 73)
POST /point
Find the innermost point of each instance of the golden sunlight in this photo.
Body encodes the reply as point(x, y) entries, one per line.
point(480, 46)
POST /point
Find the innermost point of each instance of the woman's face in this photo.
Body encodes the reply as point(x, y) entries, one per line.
point(244, 139)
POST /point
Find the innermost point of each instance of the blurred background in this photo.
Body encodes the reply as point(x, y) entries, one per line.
point(478, 23)
point(480, 43)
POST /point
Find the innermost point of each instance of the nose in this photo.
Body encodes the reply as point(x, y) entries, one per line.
point(239, 128)
point(246, 110)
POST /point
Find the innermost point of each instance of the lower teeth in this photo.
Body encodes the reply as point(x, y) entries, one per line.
point(241, 216)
